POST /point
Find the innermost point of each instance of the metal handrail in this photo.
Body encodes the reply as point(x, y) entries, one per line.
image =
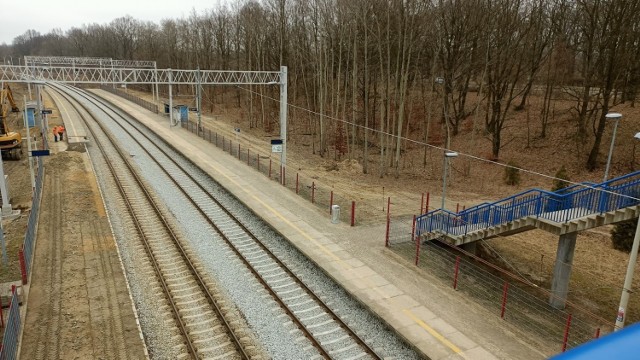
point(559, 206)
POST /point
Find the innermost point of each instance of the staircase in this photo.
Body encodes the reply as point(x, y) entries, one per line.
point(576, 208)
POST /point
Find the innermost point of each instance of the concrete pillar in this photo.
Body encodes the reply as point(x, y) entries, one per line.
point(562, 270)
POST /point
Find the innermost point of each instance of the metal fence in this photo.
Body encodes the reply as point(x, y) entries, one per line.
point(9, 346)
point(144, 103)
point(302, 185)
point(29, 238)
point(513, 299)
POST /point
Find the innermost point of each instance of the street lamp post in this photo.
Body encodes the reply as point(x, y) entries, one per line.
point(616, 117)
point(447, 154)
point(628, 279)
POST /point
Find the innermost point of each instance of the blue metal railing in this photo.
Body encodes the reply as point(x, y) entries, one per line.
point(561, 206)
point(9, 347)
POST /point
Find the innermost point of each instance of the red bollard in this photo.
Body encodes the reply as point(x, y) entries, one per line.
point(455, 275)
point(426, 205)
point(505, 290)
point(313, 192)
point(421, 202)
point(23, 265)
point(353, 213)
point(297, 182)
point(566, 333)
point(331, 203)
point(457, 208)
point(597, 335)
point(239, 151)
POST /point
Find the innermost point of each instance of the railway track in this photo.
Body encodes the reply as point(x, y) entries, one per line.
point(330, 335)
point(201, 320)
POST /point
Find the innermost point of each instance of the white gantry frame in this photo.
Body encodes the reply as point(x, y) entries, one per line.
point(90, 75)
point(43, 73)
point(86, 61)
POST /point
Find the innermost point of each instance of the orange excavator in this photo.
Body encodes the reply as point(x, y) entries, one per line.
point(10, 141)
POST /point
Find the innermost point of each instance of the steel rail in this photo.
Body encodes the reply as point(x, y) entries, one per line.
point(285, 268)
point(195, 273)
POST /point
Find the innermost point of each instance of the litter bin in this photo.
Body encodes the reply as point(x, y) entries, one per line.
point(335, 214)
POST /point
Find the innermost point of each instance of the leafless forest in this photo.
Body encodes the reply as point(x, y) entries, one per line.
point(392, 70)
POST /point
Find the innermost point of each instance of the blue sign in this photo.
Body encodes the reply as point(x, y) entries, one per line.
point(31, 121)
point(40, 152)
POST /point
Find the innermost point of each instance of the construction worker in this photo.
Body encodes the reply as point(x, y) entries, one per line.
point(61, 130)
point(55, 133)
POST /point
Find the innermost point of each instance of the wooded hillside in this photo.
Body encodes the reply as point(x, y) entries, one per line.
point(392, 71)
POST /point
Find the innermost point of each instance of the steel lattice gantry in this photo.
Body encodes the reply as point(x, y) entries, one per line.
point(86, 61)
point(87, 75)
point(115, 75)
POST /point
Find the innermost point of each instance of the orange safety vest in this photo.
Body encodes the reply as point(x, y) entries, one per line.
point(55, 130)
point(61, 129)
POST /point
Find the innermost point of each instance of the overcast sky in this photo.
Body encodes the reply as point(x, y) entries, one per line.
point(43, 16)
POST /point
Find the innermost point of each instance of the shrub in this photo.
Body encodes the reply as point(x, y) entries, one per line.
point(511, 174)
point(622, 235)
point(561, 179)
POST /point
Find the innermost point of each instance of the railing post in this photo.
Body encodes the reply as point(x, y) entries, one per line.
point(455, 275)
point(248, 161)
point(1, 316)
point(239, 152)
point(23, 265)
point(388, 206)
point(416, 240)
point(566, 333)
point(426, 205)
point(421, 203)
point(386, 238)
point(505, 293)
point(353, 213)
point(270, 162)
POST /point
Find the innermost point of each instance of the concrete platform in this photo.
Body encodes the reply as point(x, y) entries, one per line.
point(438, 322)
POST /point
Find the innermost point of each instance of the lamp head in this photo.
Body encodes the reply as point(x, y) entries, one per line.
point(450, 154)
point(613, 116)
point(637, 136)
